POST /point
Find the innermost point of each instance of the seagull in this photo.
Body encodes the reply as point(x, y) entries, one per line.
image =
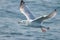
point(31, 20)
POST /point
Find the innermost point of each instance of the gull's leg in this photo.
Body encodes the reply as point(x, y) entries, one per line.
point(44, 29)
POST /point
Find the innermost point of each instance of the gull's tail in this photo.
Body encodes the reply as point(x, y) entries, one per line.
point(24, 10)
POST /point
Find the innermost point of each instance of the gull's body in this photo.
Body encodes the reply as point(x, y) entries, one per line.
point(31, 20)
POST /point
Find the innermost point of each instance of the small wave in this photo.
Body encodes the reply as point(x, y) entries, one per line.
point(6, 33)
point(29, 35)
point(48, 22)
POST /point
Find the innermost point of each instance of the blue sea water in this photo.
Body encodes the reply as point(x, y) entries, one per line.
point(10, 15)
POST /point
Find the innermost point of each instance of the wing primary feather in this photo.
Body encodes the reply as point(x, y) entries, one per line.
point(51, 15)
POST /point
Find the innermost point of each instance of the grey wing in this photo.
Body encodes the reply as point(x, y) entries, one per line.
point(51, 15)
point(25, 10)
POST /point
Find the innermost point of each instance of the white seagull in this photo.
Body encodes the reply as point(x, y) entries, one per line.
point(31, 20)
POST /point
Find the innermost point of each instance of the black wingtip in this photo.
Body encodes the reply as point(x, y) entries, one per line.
point(22, 1)
point(55, 9)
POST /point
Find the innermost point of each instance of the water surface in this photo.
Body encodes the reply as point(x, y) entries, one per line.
point(10, 15)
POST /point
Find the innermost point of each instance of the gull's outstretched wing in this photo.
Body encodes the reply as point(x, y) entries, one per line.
point(51, 15)
point(24, 10)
